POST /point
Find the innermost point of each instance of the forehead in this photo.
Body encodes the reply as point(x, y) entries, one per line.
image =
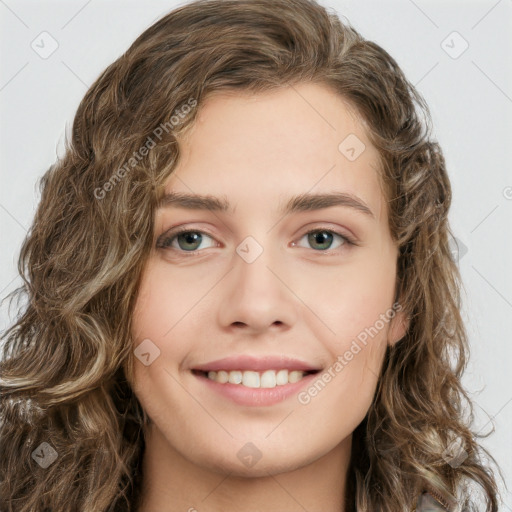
point(278, 143)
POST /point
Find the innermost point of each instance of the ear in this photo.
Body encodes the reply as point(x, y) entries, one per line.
point(399, 324)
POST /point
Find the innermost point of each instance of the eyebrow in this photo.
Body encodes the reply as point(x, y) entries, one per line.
point(298, 203)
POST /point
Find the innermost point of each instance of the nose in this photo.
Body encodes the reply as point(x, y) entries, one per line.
point(256, 296)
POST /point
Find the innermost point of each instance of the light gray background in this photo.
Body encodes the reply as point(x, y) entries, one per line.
point(471, 104)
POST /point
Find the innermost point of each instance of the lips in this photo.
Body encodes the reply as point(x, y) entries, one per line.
point(251, 396)
point(255, 381)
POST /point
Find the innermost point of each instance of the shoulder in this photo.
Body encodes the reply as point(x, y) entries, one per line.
point(427, 503)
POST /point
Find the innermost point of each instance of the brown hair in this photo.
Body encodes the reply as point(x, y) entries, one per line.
point(66, 359)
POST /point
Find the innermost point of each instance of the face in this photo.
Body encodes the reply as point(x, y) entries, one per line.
point(292, 296)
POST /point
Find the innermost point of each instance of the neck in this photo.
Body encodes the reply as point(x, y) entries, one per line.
point(171, 483)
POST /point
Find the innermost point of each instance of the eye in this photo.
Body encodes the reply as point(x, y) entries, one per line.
point(190, 240)
point(184, 240)
point(322, 239)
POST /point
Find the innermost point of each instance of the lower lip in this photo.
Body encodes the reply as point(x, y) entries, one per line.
point(259, 397)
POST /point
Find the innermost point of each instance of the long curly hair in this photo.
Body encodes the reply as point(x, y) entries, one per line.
point(67, 359)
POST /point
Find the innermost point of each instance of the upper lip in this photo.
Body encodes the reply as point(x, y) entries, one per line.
point(245, 362)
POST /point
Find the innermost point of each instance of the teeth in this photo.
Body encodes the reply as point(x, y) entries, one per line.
point(222, 377)
point(282, 377)
point(268, 379)
point(235, 377)
point(295, 376)
point(250, 379)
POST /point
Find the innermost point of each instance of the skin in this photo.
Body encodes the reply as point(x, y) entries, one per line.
point(309, 301)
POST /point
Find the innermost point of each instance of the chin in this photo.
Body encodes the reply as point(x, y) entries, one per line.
point(262, 467)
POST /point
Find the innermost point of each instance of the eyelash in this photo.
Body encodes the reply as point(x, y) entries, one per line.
point(164, 243)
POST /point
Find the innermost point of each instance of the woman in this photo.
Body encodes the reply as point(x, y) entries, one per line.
point(151, 373)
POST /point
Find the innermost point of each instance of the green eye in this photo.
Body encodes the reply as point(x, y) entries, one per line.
point(186, 240)
point(322, 239)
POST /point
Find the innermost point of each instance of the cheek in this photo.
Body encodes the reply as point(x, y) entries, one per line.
point(155, 320)
point(162, 319)
point(343, 392)
point(166, 299)
point(354, 297)
point(356, 308)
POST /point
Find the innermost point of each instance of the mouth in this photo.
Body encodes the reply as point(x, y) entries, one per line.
point(251, 380)
point(267, 379)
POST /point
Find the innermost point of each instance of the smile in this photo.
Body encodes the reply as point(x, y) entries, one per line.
point(248, 389)
point(252, 379)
